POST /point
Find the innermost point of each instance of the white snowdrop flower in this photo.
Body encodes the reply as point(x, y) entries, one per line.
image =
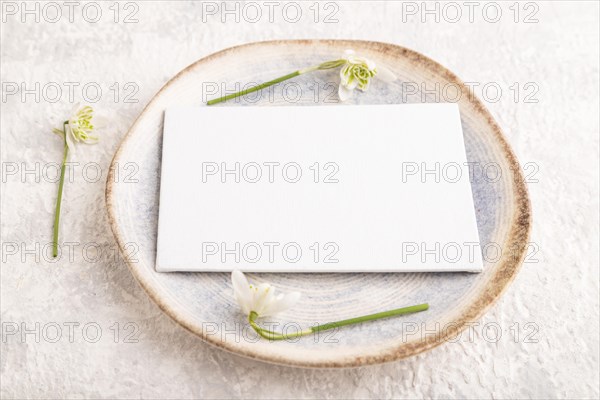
point(357, 72)
point(260, 299)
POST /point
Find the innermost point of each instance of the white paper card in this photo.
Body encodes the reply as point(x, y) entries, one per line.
point(323, 188)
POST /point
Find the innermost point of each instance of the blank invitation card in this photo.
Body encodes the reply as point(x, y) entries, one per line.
point(379, 188)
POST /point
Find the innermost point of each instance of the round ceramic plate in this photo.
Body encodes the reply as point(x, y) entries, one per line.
point(204, 303)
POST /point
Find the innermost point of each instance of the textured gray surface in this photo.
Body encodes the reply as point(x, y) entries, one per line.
point(556, 292)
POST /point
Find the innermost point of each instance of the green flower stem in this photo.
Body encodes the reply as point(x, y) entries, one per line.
point(60, 191)
point(254, 88)
point(331, 325)
point(325, 65)
point(372, 317)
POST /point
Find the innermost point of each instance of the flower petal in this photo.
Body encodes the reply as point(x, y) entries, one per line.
point(282, 304)
point(347, 79)
point(100, 122)
point(385, 74)
point(263, 296)
point(70, 137)
point(370, 64)
point(241, 290)
point(364, 87)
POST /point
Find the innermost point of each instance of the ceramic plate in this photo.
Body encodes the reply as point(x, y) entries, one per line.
point(203, 302)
